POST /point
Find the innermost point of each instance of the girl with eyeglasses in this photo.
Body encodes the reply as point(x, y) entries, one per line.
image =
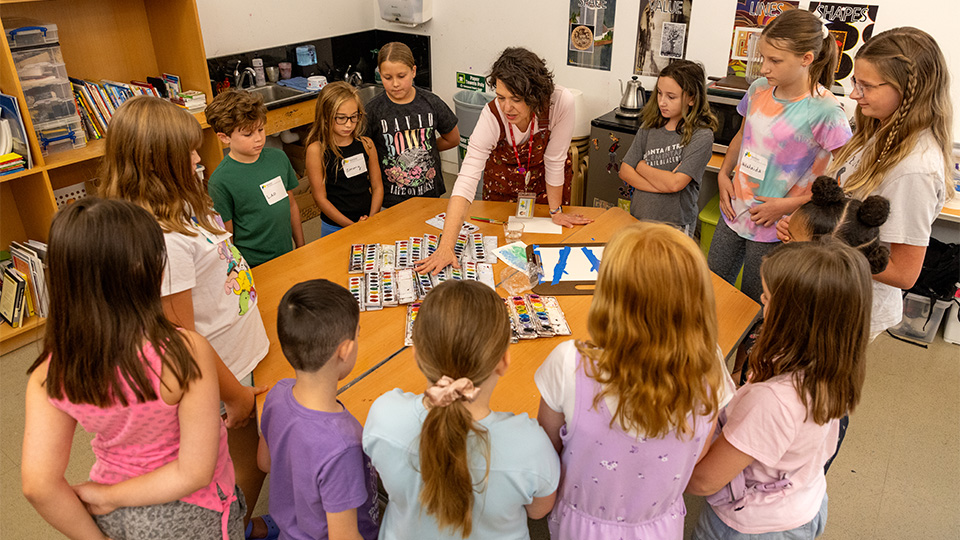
point(901, 151)
point(341, 164)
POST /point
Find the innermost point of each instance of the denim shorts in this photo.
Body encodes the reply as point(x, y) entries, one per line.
point(711, 527)
point(326, 228)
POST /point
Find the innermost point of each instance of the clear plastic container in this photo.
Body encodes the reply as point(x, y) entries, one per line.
point(61, 135)
point(921, 320)
point(53, 109)
point(40, 74)
point(49, 54)
point(28, 33)
point(35, 91)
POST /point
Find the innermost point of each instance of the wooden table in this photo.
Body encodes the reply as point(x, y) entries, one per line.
point(383, 363)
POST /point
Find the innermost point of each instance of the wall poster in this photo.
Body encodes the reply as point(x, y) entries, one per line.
point(590, 33)
point(751, 17)
point(851, 25)
point(662, 33)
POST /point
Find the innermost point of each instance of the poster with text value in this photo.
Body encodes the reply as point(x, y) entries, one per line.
point(662, 34)
point(851, 25)
point(590, 33)
point(751, 17)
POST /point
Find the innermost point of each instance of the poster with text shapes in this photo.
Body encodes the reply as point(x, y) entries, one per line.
point(590, 33)
point(851, 25)
point(662, 33)
point(751, 16)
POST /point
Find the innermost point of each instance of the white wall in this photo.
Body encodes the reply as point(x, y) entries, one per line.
point(468, 35)
point(232, 26)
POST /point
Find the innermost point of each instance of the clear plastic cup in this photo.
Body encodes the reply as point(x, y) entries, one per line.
point(512, 230)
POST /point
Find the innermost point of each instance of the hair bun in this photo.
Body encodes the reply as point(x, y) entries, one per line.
point(826, 191)
point(874, 211)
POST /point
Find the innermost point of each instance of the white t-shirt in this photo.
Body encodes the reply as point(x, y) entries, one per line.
point(915, 188)
point(224, 298)
point(486, 134)
point(556, 379)
point(768, 422)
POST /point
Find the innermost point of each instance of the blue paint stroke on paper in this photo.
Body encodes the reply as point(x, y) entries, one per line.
point(594, 261)
point(560, 269)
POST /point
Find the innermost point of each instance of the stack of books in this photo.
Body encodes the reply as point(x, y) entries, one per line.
point(191, 100)
point(11, 163)
point(24, 291)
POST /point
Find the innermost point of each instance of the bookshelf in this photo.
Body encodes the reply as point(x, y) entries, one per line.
point(100, 39)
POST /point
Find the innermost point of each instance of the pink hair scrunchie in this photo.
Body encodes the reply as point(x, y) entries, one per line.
point(446, 390)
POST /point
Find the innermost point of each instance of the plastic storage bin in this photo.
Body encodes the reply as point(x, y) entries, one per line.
point(46, 54)
point(951, 327)
point(709, 217)
point(50, 110)
point(27, 33)
point(920, 319)
point(61, 135)
point(40, 90)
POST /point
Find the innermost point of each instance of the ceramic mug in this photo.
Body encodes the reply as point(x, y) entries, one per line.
point(286, 70)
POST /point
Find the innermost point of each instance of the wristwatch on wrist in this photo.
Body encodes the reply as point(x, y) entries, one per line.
point(557, 210)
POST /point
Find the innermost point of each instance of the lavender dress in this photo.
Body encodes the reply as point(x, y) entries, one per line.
point(618, 486)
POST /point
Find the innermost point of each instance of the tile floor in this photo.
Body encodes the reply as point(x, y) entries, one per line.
point(895, 478)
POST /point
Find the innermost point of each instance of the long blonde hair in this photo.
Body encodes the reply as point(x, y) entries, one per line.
point(690, 78)
point(147, 162)
point(653, 331)
point(462, 330)
point(816, 324)
point(911, 61)
point(329, 101)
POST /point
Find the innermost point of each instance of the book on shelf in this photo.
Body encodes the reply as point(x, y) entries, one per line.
point(31, 264)
point(12, 297)
point(18, 141)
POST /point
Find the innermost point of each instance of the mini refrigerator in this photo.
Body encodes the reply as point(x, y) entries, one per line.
point(610, 138)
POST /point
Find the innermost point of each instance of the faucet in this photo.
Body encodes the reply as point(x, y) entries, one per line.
point(239, 76)
point(353, 78)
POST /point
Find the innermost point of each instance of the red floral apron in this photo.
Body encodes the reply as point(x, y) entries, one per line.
point(502, 180)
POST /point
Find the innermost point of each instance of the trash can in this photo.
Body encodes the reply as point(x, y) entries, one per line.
point(468, 105)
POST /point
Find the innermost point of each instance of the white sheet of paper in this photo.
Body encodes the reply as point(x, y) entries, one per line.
point(539, 225)
point(577, 266)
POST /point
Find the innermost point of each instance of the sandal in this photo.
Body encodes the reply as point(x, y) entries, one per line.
point(273, 531)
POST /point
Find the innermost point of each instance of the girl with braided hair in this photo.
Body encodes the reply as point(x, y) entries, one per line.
point(901, 151)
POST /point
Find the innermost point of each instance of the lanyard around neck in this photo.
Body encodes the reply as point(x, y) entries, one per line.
point(520, 168)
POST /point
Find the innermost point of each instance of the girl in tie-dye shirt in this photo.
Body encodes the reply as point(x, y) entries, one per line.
point(791, 124)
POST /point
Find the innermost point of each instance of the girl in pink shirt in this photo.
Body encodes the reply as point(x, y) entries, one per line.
point(148, 390)
point(806, 371)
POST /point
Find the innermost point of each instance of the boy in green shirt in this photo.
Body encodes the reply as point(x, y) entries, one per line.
point(251, 188)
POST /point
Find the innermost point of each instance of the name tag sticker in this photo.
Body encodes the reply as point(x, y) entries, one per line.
point(354, 165)
point(753, 165)
point(273, 190)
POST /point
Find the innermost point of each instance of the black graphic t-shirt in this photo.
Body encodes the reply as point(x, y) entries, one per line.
point(406, 140)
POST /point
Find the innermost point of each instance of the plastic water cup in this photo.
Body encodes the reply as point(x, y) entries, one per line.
point(512, 231)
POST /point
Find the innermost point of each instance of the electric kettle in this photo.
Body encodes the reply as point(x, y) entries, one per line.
point(632, 101)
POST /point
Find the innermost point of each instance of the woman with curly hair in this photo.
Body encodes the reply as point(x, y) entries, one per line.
point(520, 144)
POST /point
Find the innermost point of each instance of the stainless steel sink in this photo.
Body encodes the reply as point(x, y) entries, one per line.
point(369, 91)
point(275, 96)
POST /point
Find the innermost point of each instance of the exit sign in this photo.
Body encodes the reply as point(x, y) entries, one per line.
point(469, 81)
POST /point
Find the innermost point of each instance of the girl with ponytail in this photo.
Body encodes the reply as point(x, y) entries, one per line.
point(453, 468)
point(791, 125)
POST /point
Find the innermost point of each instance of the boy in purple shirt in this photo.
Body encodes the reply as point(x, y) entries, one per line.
point(321, 483)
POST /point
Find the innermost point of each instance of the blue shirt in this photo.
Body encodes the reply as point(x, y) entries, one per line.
point(523, 465)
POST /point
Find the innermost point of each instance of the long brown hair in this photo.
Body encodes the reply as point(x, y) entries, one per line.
point(526, 76)
point(799, 31)
point(816, 324)
point(462, 330)
point(147, 162)
point(692, 81)
point(911, 61)
point(653, 331)
point(105, 305)
point(329, 101)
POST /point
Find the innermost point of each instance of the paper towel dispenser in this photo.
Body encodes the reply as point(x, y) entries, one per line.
point(406, 12)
